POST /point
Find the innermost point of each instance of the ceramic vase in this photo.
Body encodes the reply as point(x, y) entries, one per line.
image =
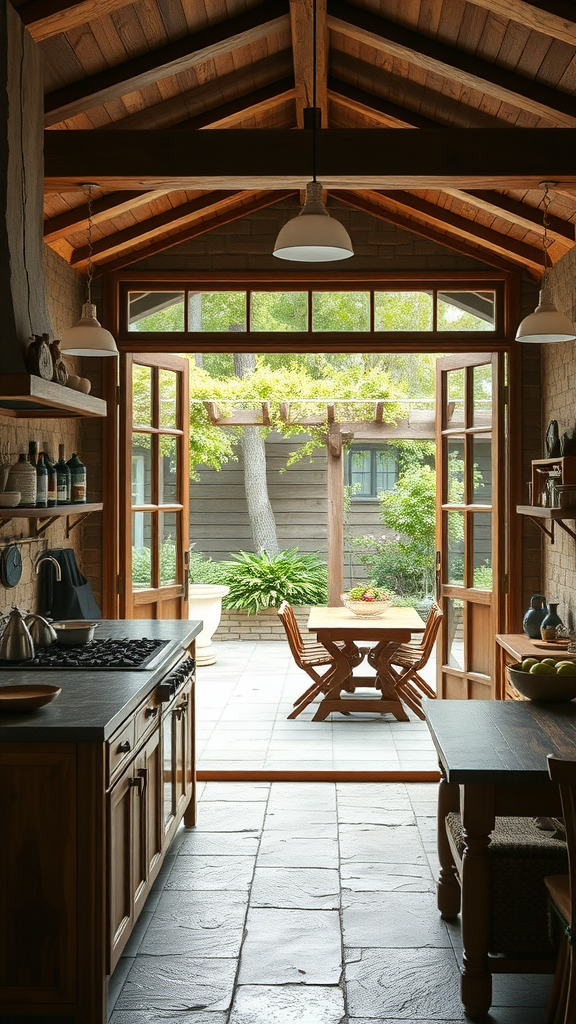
point(534, 617)
point(205, 603)
point(550, 622)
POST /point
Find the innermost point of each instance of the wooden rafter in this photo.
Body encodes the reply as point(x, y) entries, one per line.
point(301, 23)
point(176, 57)
point(254, 105)
point(518, 213)
point(47, 18)
point(556, 18)
point(361, 102)
point(103, 209)
point(385, 36)
point(192, 231)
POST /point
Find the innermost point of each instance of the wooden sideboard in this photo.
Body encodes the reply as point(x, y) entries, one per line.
point(514, 647)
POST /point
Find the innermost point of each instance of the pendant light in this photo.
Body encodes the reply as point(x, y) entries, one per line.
point(546, 324)
point(313, 236)
point(88, 337)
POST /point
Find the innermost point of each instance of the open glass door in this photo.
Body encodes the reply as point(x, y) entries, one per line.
point(154, 487)
point(470, 582)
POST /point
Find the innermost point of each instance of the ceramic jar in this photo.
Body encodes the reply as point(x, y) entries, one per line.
point(22, 477)
point(534, 617)
point(550, 622)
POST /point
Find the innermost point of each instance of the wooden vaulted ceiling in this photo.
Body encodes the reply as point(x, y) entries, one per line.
point(131, 89)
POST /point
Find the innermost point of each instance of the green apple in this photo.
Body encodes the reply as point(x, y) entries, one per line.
point(566, 668)
point(542, 669)
point(548, 661)
point(527, 664)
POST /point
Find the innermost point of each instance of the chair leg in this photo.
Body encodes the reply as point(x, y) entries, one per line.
point(423, 686)
point(407, 697)
point(305, 694)
point(556, 1002)
point(305, 700)
point(570, 1014)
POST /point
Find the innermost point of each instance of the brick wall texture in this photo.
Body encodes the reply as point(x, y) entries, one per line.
point(264, 626)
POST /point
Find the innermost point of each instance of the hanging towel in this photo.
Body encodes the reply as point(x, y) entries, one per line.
point(71, 597)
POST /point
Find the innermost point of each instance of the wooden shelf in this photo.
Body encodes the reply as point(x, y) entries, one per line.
point(42, 518)
point(545, 518)
point(25, 396)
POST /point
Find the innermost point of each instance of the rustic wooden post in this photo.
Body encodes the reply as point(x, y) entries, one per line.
point(335, 481)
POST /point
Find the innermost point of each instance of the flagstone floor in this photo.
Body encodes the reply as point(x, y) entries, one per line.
point(242, 704)
point(304, 903)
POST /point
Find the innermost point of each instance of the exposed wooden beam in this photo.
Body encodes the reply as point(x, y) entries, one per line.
point(235, 213)
point(556, 18)
point(364, 103)
point(301, 23)
point(278, 159)
point(518, 213)
point(103, 209)
point(244, 30)
point(230, 115)
point(469, 230)
point(196, 104)
point(449, 62)
point(362, 201)
point(47, 18)
point(175, 217)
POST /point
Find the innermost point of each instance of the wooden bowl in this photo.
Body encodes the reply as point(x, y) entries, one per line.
point(551, 688)
point(26, 696)
point(365, 609)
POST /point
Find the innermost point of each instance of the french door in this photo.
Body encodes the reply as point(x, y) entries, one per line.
point(154, 487)
point(471, 529)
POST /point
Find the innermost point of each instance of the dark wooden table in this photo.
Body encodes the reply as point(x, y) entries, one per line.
point(492, 758)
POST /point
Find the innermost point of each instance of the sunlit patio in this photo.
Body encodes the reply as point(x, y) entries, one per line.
point(243, 702)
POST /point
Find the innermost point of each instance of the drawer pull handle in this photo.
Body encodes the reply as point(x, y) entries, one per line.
point(151, 712)
point(124, 747)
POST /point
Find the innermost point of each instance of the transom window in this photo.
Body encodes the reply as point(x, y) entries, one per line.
point(370, 470)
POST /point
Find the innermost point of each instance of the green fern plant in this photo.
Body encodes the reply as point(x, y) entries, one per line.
point(263, 581)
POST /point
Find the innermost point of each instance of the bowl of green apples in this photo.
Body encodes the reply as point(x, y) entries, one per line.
point(546, 679)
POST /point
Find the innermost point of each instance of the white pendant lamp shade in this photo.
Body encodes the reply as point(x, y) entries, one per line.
point(546, 325)
point(313, 236)
point(88, 337)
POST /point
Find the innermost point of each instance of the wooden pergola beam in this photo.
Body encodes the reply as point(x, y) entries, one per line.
point(249, 28)
point(301, 24)
point(457, 65)
point(280, 159)
point(47, 18)
point(555, 18)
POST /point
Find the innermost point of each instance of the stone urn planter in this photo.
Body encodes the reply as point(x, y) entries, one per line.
point(205, 603)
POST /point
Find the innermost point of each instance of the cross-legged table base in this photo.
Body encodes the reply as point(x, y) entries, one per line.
point(388, 701)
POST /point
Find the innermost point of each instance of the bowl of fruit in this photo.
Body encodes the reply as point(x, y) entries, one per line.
point(548, 679)
point(367, 601)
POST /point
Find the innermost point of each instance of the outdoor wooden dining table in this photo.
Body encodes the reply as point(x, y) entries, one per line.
point(393, 628)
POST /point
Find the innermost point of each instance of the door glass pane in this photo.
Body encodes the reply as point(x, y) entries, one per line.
point(455, 384)
point(155, 311)
point(455, 470)
point(141, 395)
point(340, 311)
point(482, 458)
point(455, 633)
point(141, 550)
point(360, 474)
point(482, 395)
point(456, 548)
point(168, 475)
point(482, 542)
point(168, 391)
point(403, 311)
point(279, 311)
point(141, 469)
point(168, 548)
point(217, 311)
point(167, 752)
point(465, 311)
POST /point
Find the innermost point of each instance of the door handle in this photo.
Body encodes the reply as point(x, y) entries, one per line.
point(438, 575)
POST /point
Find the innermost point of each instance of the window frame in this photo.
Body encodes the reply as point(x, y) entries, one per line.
point(373, 447)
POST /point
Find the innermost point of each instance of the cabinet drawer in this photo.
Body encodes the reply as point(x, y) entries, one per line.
point(120, 748)
point(147, 716)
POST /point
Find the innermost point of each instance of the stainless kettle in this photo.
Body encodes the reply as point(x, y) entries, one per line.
point(41, 631)
point(16, 643)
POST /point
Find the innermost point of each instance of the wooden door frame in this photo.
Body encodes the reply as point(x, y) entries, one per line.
point(510, 282)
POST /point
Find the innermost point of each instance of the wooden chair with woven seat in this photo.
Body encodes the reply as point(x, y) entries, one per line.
point(408, 661)
point(309, 656)
point(562, 894)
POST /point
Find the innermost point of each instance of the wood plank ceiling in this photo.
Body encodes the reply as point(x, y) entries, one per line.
point(191, 65)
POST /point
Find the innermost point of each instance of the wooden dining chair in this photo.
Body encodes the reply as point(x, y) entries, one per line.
point(310, 655)
point(408, 661)
point(562, 894)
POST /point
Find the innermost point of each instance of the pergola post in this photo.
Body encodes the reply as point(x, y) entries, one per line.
point(335, 481)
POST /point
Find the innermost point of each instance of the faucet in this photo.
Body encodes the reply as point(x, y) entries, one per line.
point(55, 563)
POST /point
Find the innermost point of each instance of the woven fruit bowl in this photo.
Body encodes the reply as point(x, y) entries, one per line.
point(366, 609)
point(551, 687)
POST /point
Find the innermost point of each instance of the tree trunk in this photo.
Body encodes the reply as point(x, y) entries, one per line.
point(262, 522)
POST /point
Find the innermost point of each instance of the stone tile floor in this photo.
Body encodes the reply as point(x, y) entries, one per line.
point(303, 903)
point(242, 705)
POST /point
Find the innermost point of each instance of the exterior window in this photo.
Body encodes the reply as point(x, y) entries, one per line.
point(371, 470)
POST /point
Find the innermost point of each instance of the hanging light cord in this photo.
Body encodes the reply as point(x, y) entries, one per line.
point(546, 241)
point(314, 90)
point(90, 268)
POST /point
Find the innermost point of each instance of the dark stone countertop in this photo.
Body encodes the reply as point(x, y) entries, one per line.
point(93, 704)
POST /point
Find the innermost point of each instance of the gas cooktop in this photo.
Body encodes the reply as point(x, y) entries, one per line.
point(122, 654)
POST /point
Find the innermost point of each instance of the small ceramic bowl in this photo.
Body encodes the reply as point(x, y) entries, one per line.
point(71, 632)
point(9, 499)
point(545, 687)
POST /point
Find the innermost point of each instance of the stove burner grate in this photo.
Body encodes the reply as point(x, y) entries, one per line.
point(122, 654)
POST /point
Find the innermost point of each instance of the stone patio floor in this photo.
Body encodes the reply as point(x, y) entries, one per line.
point(242, 704)
point(304, 903)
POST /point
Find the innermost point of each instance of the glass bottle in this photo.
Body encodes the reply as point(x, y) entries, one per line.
point(78, 480)
point(52, 478)
point(33, 452)
point(41, 482)
point(63, 478)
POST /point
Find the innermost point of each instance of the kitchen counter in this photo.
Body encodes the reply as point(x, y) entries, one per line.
point(93, 703)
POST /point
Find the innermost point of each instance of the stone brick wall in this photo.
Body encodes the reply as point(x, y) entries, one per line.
point(264, 626)
point(559, 403)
